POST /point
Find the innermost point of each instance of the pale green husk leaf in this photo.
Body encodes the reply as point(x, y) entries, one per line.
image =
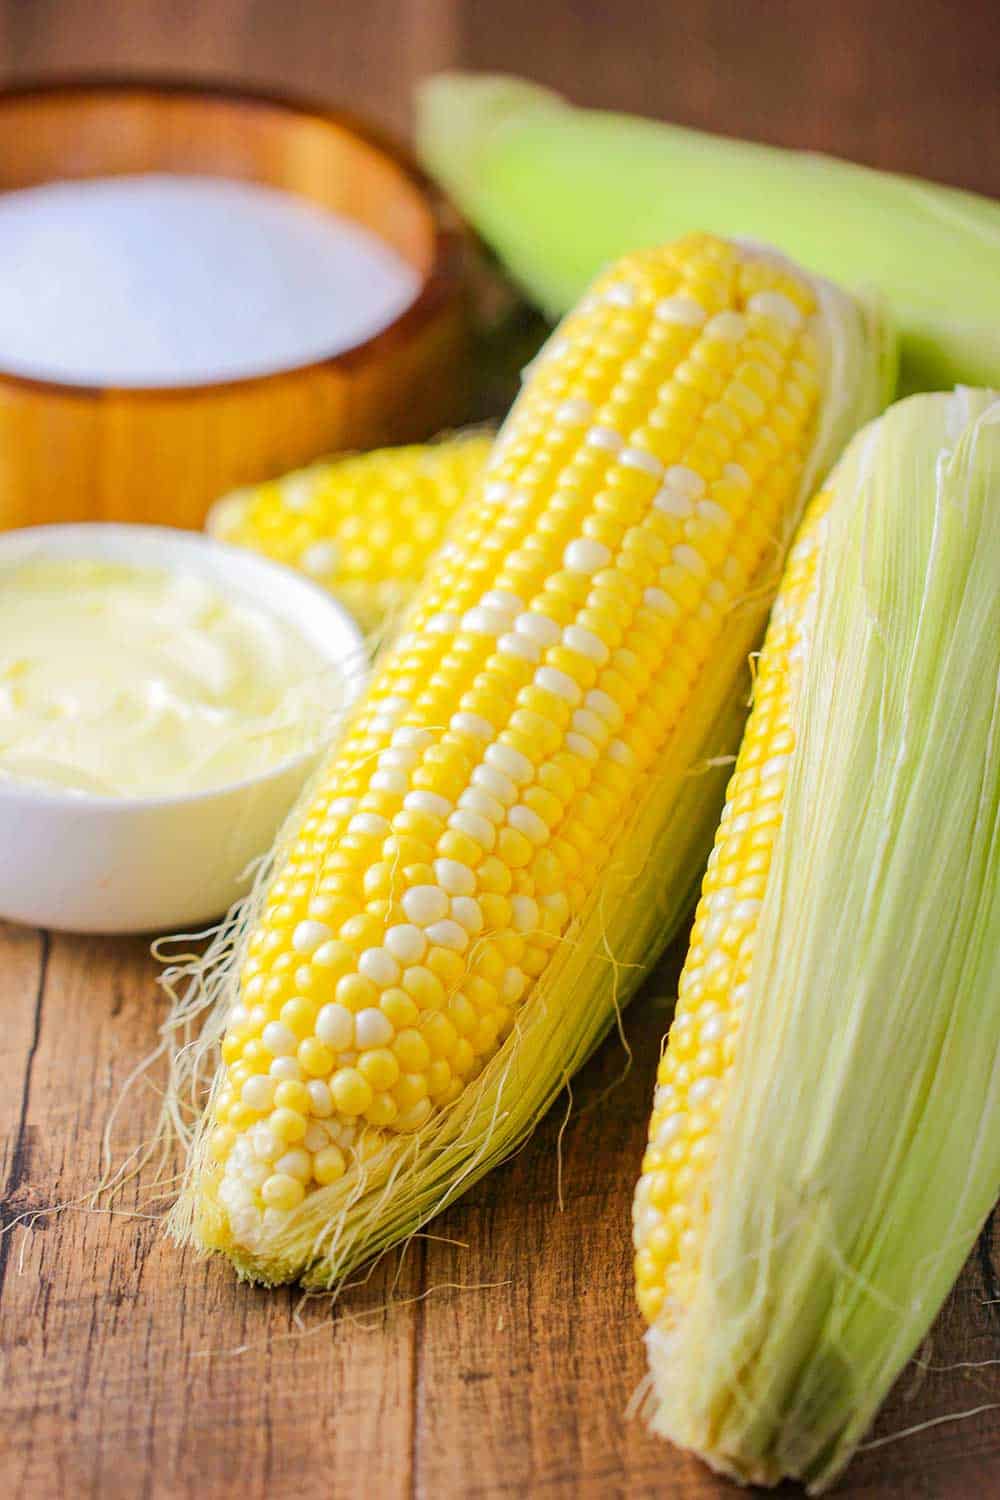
point(559, 192)
point(860, 1145)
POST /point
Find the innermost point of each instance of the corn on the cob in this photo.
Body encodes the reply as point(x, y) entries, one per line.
point(365, 525)
point(439, 946)
point(559, 192)
point(694, 1072)
point(823, 1145)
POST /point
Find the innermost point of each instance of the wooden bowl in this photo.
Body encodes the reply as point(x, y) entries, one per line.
point(71, 453)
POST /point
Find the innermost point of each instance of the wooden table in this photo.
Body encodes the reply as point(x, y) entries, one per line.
point(498, 1355)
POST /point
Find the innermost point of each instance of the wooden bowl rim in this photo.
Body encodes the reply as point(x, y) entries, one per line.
point(441, 282)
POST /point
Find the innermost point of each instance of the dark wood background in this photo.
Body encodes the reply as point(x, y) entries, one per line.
point(497, 1357)
point(908, 84)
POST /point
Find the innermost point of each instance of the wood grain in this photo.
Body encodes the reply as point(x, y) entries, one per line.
point(130, 1370)
point(133, 1370)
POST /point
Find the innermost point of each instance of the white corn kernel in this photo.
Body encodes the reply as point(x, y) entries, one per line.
point(448, 934)
point(585, 643)
point(521, 646)
point(410, 737)
point(602, 703)
point(731, 326)
point(341, 807)
point(406, 943)
point(776, 305)
point(472, 724)
point(316, 1137)
point(265, 1143)
point(537, 627)
point(279, 1039)
point(502, 600)
point(424, 904)
point(575, 412)
point(683, 310)
point(475, 799)
point(427, 802)
point(689, 559)
point(370, 826)
point(454, 877)
point(468, 913)
point(475, 826)
point(480, 621)
point(378, 965)
point(286, 1069)
point(580, 745)
point(320, 559)
point(395, 782)
point(659, 601)
point(296, 1163)
point(641, 459)
point(513, 985)
point(621, 294)
point(584, 555)
point(335, 1027)
point(443, 623)
point(497, 783)
point(592, 725)
point(511, 762)
point(524, 913)
point(527, 821)
point(309, 935)
point(605, 438)
point(258, 1092)
point(560, 684)
point(320, 1098)
point(684, 481)
point(372, 1029)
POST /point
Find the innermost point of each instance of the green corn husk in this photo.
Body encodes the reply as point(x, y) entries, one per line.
point(559, 191)
point(859, 1151)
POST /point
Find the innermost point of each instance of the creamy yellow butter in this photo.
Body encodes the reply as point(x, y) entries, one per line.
point(124, 681)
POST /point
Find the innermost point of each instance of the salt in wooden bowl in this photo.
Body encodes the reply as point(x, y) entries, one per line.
point(163, 454)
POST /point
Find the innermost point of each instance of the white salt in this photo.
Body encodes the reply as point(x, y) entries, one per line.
point(169, 280)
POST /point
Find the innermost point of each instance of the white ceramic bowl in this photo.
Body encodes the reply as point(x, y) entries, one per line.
point(81, 863)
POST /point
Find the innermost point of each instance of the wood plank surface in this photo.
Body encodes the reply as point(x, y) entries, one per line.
point(130, 1369)
point(498, 1355)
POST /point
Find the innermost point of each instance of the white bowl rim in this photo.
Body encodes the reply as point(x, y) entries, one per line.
point(154, 546)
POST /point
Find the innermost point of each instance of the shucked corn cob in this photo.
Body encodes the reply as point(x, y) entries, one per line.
point(364, 526)
point(825, 1138)
point(438, 948)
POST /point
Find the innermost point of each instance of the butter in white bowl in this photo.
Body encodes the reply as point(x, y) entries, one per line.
point(124, 680)
point(163, 700)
